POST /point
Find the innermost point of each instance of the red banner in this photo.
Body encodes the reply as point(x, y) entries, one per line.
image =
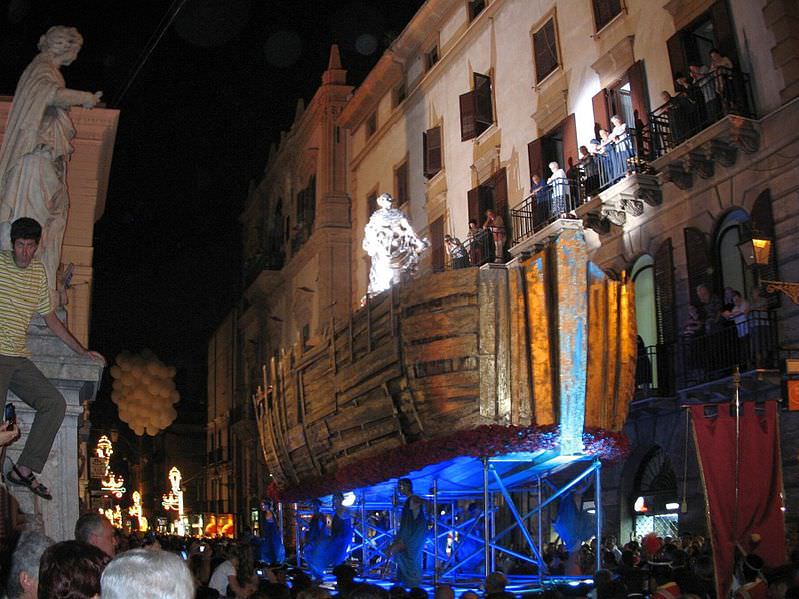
point(759, 503)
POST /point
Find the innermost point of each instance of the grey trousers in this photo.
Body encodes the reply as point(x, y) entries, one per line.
point(21, 376)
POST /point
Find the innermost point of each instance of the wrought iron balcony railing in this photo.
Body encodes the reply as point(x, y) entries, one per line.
point(715, 96)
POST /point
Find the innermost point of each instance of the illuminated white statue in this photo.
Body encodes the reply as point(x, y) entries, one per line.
point(392, 245)
point(37, 146)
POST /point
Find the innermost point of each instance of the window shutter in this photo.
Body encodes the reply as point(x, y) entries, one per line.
point(639, 96)
point(700, 266)
point(473, 201)
point(401, 175)
point(723, 31)
point(546, 50)
point(437, 243)
point(468, 113)
point(501, 195)
point(484, 111)
point(601, 112)
point(432, 151)
point(570, 153)
point(664, 293)
point(763, 226)
point(677, 53)
point(535, 159)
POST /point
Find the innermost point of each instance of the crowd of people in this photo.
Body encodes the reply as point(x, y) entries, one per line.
point(105, 562)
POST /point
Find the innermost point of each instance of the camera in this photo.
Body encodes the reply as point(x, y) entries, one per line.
point(10, 414)
point(202, 548)
point(260, 572)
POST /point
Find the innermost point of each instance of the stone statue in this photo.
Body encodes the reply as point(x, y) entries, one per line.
point(391, 244)
point(36, 147)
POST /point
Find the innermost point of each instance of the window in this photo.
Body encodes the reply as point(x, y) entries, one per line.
point(477, 112)
point(643, 276)
point(431, 144)
point(475, 8)
point(401, 183)
point(371, 203)
point(371, 125)
point(605, 11)
point(431, 58)
point(400, 92)
point(691, 45)
point(545, 48)
point(733, 230)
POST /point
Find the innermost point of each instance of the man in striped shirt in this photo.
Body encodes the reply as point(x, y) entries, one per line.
point(23, 293)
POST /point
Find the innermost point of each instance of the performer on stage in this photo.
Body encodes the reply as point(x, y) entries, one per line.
point(271, 550)
point(330, 549)
point(317, 530)
point(409, 543)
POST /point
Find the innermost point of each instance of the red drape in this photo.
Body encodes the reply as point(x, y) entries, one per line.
point(759, 499)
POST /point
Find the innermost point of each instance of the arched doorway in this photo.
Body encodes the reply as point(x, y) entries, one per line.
point(655, 500)
point(734, 229)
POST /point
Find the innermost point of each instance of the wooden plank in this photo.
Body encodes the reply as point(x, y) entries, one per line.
point(378, 360)
point(437, 285)
point(465, 378)
point(459, 320)
point(441, 349)
point(374, 449)
point(346, 441)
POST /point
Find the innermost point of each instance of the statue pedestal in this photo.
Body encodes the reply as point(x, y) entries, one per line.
point(77, 378)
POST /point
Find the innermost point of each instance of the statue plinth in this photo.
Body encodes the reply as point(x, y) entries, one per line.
point(77, 378)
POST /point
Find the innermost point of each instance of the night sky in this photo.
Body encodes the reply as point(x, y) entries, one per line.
point(195, 129)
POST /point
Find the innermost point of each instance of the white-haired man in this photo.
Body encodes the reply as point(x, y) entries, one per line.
point(147, 574)
point(23, 577)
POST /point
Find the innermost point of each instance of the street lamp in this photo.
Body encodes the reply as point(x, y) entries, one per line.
point(756, 252)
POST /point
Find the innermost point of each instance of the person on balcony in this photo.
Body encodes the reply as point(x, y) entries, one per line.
point(691, 98)
point(559, 186)
point(496, 225)
point(476, 238)
point(589, 170)
point(676, 111)
point(622, 144)
point(607, 157)
point(739, 314)
point(712, 307)
point(720, 69)
point(458, 256)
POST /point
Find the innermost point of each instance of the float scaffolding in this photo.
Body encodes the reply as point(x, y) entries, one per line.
point(484, 481)
point(477, 384)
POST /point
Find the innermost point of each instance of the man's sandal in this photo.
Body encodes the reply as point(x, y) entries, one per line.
point(15, 477)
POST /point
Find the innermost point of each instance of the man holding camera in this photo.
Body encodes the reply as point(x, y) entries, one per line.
point(23, 293)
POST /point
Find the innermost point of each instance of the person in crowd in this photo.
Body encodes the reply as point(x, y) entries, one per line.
point(24, 280)
point(738, 312)
point(23, 576)
point(749, 582)
point(694, 325)
point(368, 591)
point(345, 579)
point(71, 569)
point(417, 593)
point(409, 543)
point(457, 252)
point(495, 586)
point(272, 590)
point(313, 593)
point(643, 367)
point(496, 225)
point(444, 591)
point(662, 584)
point(397, 591)
point(225, 576)
point(97, 530)
point(537, 185)
point(559, 186)
point(469, 595)
point(589, 170)
point(147, 574)
point(476, 240)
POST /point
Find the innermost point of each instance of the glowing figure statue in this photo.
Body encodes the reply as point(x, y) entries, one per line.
point(408, 545)
point(331, 549)
point(392, 245)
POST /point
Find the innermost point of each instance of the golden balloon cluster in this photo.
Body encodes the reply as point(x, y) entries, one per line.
point(144, 391)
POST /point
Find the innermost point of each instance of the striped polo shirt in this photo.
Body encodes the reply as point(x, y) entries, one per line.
point(23, 292)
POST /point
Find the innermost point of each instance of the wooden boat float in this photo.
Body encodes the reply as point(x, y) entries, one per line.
point(546, 340)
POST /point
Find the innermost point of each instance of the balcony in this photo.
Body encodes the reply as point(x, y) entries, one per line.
point(701, 366)
point(270, 258)
point(602, 191)
point(242, 421)
point(478, 249)
point(708, 125)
